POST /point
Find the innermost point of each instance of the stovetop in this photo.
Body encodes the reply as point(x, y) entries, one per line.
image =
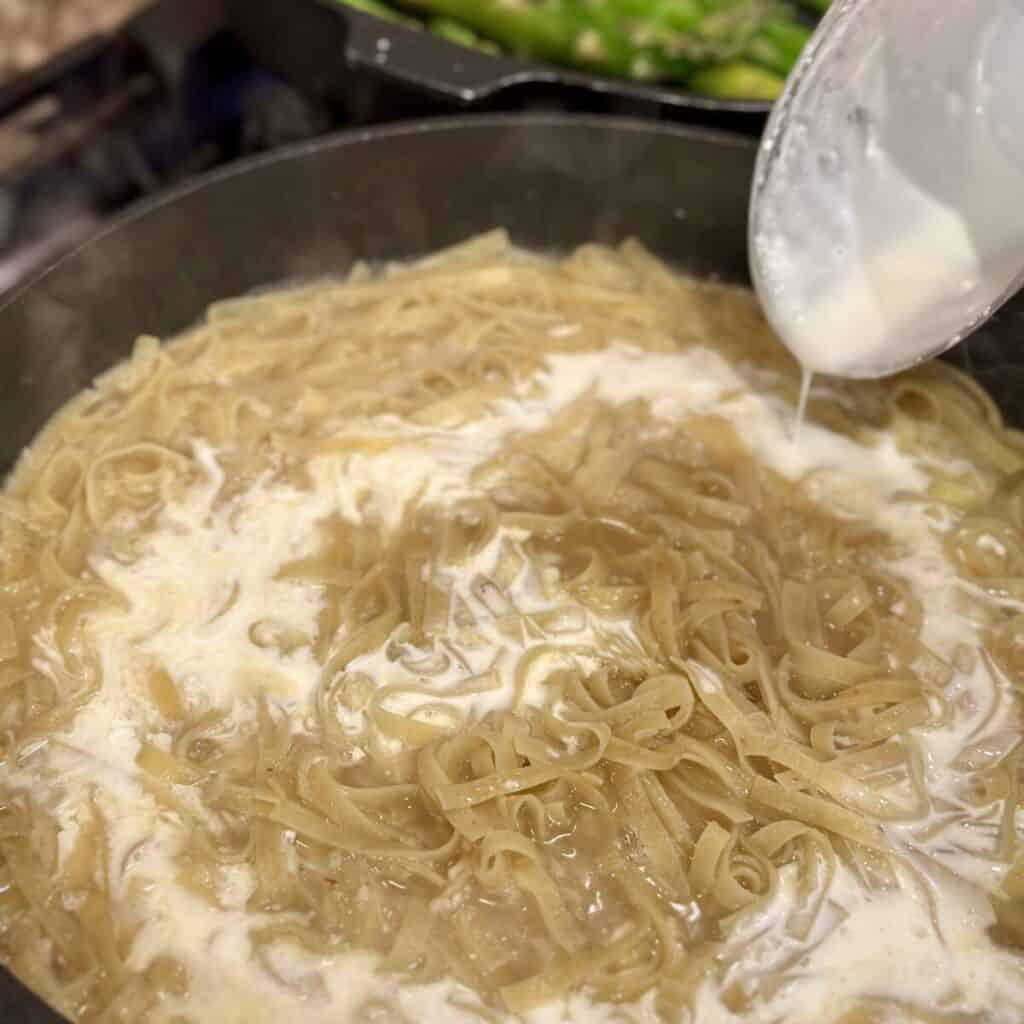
point(119, 117)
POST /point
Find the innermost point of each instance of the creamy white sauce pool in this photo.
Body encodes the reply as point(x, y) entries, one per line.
point(206, 580)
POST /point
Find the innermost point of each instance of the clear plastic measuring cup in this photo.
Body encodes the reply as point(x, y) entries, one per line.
point(887, 217)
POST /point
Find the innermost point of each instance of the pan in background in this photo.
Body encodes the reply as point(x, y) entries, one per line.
point(392, 193)
point(377, 67)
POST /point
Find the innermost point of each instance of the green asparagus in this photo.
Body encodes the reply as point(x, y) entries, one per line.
point(727, 48)
point(777, 45)
point(456, 32)
point(453, 31)
point(737, 78)
point(379, 10)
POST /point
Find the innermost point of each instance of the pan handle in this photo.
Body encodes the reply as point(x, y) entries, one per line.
point(313, 43)
point(421, 59)
point(320, 45)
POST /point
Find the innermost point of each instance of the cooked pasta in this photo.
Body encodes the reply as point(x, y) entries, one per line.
point(477, 639)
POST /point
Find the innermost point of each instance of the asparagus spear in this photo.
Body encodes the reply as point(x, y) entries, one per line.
point(456, 32)
point(724, 47)
point(379, 10)
point(777, 45)
point(667, 39)
point(737, 79)
point(453, 31)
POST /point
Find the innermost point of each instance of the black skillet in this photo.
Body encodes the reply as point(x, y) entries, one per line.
point(390, 193)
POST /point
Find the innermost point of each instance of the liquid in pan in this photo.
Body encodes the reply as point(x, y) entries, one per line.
point(472, 641)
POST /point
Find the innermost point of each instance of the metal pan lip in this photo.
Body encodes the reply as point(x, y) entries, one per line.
point(437, 126)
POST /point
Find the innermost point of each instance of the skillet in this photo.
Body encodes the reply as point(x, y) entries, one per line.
point(554, 180)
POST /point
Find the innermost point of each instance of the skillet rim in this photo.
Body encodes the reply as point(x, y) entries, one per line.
point(346, 137)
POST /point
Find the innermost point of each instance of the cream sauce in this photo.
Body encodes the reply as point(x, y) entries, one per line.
point(880, 304)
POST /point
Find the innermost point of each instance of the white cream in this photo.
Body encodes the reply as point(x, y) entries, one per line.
point(880, 232)
point(203, 590)
point(869, 307)
point(488, 654)
point(700, 382)
point(872, 945)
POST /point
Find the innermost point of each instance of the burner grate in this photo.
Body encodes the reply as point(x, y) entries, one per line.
point(171, 94)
